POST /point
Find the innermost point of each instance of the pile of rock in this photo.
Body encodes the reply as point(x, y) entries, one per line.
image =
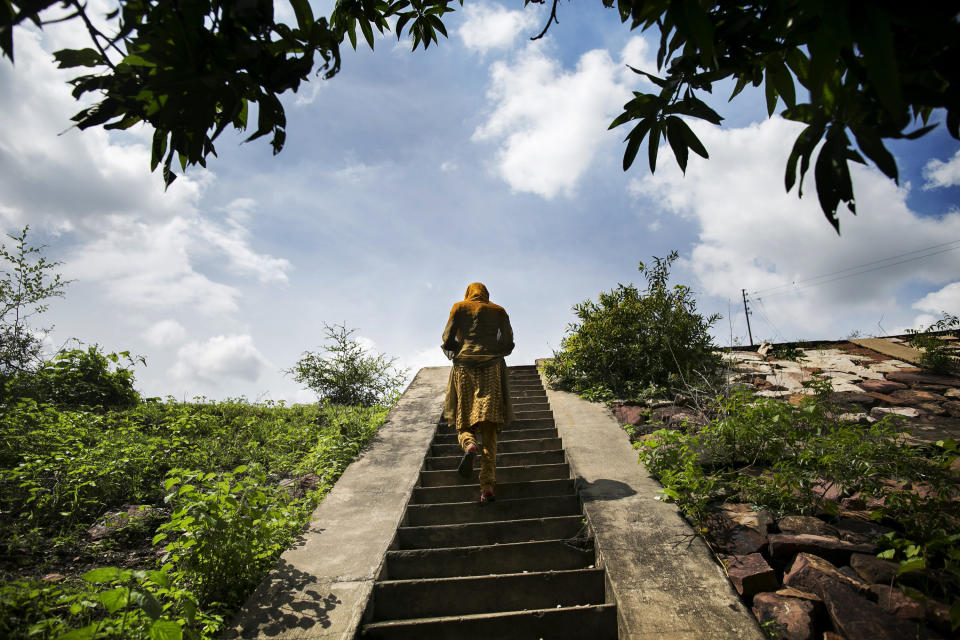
point(807, 579)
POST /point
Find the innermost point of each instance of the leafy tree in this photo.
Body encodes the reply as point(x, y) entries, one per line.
point(27, 283)
point(631, 340)
point(76, 378)
point(189, 69)
point(346, 374)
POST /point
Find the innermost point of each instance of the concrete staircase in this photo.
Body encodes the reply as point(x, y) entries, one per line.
point(521, 567)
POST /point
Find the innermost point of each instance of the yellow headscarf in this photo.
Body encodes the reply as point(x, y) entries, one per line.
point(477, 292)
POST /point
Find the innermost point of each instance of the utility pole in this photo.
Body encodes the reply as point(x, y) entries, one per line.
point(746, 311)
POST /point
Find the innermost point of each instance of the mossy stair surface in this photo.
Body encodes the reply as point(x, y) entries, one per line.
point(521, 567)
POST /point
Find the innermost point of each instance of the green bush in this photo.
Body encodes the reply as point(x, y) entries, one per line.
point(935, 352)
point(346, 374)
point(630, 342)
point(78, 378)
point(226, 524)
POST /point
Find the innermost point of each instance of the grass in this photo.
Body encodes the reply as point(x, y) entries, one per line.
point(220, 489)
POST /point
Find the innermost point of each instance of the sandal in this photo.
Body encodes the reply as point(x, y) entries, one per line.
point(487, 496)
point(466, 463)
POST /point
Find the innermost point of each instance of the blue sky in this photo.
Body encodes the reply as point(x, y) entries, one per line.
point(412, 174)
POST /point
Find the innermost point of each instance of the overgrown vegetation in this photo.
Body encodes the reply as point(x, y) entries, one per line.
point(935, 351)
point(784, 457)
point(632, 344)
point(346, 373)
point(125, 517)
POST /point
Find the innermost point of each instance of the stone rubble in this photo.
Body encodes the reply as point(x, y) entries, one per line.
point(831, 584)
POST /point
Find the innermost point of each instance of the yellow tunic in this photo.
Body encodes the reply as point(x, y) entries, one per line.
point(477, 337)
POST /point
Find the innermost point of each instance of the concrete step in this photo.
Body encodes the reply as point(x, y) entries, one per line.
point(512, 557)
point(406, 599)
point(509, 446)
point(530, 404)
point(519, 459)
point(596, 622)
point(523, 413)
point(419, 515)
point(520, 423)
point(494, 532)
point(504, 474)
point(516, 387)
point(505, 490)
point(509, 434)
point(521, 394)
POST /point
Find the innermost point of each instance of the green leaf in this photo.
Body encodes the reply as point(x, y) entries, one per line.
point(86, 633)
point(148, 603)
point(913, 564)
point(879, 55)
point(653, 145)
point(165, 630)
point(303, 12)
point(105, 574)
point(783, 82)
point(634, 139)
point(77, 58)
point(871, 144)
point(690, 137)
point(675, 138)
point(159, 578)
point(112, 599)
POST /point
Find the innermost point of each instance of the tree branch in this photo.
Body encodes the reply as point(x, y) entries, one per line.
point(552, 18)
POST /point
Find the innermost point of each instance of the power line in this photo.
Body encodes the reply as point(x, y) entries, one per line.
point(850, 275)
point(796, 283)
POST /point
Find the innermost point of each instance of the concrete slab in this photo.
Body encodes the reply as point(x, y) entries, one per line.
point(660, 573)
point(320, 587)
point(888, 347)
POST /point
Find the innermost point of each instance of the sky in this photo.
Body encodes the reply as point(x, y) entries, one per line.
point(412, 174)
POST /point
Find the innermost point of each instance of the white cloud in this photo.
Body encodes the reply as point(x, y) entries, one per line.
point(936, 303)
point(447, 166)
point(165, 333)
point(753, 235)
point(58, 178)
point(356, 173)
point(219, 359)
point(152, 264)
point(550, 121)
point(492, 26)
point(232, 240)
point(148, 265)
point(942, 174)
point(637, 54)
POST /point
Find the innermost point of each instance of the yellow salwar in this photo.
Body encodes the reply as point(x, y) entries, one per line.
point(477, 337)
point(487, 448)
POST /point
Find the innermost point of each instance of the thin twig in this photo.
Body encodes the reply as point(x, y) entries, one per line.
point(552, 18)
point(92, 30)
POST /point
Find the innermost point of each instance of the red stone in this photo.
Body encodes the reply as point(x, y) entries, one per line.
point(914, 398)
point(630, 414)
point(881, 386)
point(952, 408)
point(737, 540)
point(784, 545)
point(809, 573)
point(749, 574)
point(913, 377)
point(895, 602)
point(859, 619)
point(805, 524)
point(790, 618)
point(873, 569)
point(860, 531)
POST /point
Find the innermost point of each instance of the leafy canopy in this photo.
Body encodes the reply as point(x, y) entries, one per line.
point(875, 72)
point(347, 374)
point(630, 341)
